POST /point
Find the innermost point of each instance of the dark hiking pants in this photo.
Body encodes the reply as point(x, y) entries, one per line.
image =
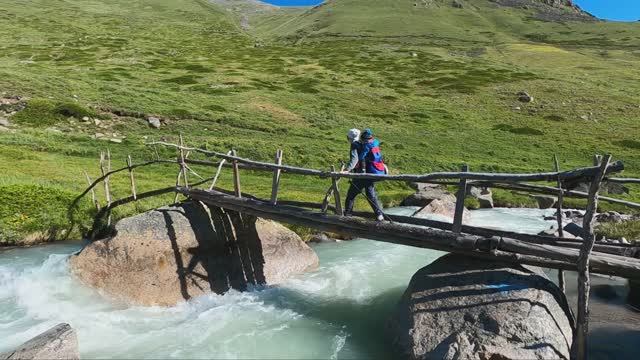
point(357, 186)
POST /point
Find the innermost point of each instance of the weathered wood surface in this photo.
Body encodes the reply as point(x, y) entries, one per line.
point(218, 172)
point(460, 196)
point(132, 180)
point(556, 168)
point(584, 284)
point(275, 184)
point(626, 250)
point(336, 193)
point(94, 200)
point(623, 180)
point(541, 189)
point(236, 175)
point(105, 168)
point(587, 172)
point(511, 250)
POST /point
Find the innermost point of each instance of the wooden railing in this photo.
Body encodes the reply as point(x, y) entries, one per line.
point(583, 256)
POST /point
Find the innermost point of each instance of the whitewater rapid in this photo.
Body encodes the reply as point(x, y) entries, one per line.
point(338, 311)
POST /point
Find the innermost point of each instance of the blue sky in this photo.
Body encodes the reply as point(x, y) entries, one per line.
point(621, 10)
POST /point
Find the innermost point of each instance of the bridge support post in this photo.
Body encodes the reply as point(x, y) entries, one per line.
point(584, 285)
point(93, 192)
point(131, 179)
point(336, 193)
point(236, 176)
point(276, 178)
point(559, 218)
point(105, 167)
point(460, 196)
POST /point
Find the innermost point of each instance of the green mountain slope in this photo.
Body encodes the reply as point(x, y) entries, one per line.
point(438, 84)
point(486, 21)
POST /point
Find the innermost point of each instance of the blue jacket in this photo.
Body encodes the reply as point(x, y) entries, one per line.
point(371, 156)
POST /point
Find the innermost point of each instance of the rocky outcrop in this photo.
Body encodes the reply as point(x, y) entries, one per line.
point(425, 194)
point(59, 342)
point(174, 253)
point(465, 308)
point(434, 199)
point(550, 10)
point(446, 206)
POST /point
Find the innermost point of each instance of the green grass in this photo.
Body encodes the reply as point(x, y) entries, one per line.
point(628, 229)
point(316, 74)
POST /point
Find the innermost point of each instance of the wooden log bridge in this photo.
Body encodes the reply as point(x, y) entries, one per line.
point(584, 256)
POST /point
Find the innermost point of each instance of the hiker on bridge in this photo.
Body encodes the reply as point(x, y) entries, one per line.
point(365, 157)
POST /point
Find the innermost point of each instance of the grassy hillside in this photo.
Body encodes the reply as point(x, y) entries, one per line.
point(437, 84)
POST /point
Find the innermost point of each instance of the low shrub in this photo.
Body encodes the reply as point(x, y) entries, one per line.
point(39, 212)
point(44, 112)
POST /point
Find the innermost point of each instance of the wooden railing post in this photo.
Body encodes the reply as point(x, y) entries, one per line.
point(276, 178)
point(105, 167)
point(460, 196)
point(584, 286)
point(215, 178)
point(93, 192)
point(336, 193)
point(183, 165)
point(236, 176)
point(328, 194)
point(131, 179)
point(559, 218)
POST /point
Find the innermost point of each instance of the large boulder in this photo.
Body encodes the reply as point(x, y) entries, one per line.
point(464, 308)
point(445, 207)
point(171, 254)
point(433, 199)
point(59, 342)
point(425, 194)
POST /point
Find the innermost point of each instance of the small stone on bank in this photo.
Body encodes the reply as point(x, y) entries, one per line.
point(525, 97)
point(154, 122)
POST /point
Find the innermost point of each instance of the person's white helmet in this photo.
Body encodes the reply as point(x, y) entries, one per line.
point(353, 134)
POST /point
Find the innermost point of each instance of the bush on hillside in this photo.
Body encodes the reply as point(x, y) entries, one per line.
point(39, 213)
point(44, 112)
point(71, 109)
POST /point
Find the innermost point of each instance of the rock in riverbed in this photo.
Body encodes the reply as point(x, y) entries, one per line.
point(174, 253)
point(59, 342)
point(434, 199)
point(464, 308)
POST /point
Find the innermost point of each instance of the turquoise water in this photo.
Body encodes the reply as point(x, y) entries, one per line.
point(338, 311)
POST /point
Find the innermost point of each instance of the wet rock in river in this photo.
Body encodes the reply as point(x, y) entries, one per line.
point(171, 254)
point(59, 342)
point(465, 308)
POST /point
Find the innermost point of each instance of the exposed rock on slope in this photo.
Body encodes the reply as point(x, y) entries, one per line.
point(174, 253)
point(59, 342)
point(550, 10)
point(464, 308)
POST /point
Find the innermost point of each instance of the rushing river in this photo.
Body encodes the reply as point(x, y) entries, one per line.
point(338, 311)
